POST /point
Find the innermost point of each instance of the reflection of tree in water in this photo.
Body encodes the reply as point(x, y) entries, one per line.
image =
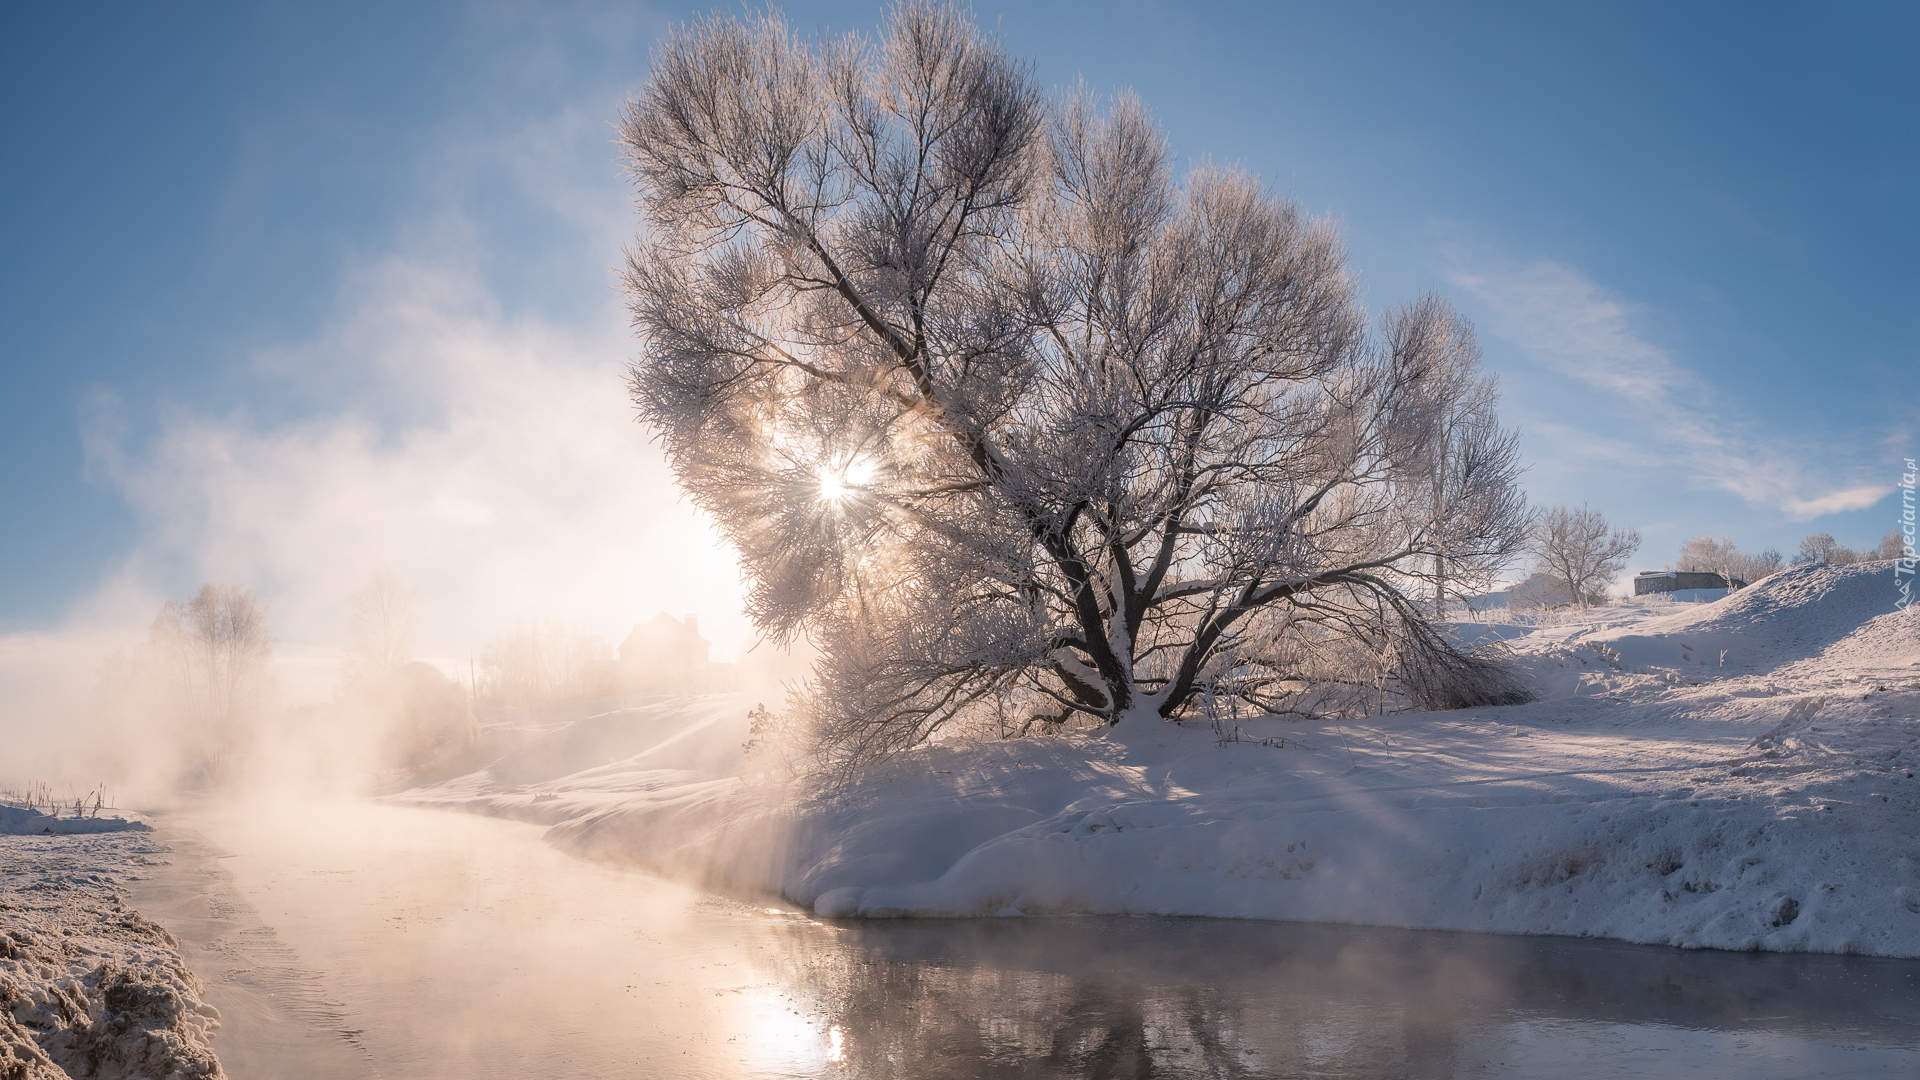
point(1127, 998)
point(1046, 999)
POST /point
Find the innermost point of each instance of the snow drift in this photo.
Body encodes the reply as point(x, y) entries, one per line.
point(1736, 775)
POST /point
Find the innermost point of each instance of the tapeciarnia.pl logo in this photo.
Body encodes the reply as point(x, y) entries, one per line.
point(1903, 567)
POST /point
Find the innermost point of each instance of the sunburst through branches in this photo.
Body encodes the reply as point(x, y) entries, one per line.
point(839, 483)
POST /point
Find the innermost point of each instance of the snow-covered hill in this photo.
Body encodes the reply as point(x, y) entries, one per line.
point(1732, 775)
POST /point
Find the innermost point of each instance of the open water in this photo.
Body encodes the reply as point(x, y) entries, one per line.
point(357, 940)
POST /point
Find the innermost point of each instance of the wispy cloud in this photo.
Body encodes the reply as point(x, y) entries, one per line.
point(1565, 321)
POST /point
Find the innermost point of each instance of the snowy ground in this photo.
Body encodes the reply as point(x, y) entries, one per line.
point(1734, 775)
point(88, 986)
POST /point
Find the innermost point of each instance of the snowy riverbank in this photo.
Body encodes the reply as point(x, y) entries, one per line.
point(1734, 775)
point(89, 986)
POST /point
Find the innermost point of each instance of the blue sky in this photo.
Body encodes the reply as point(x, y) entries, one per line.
point(290, 292)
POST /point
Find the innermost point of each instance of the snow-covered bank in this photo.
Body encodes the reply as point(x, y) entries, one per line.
point(603, 761)
point(88, 986)
point(1734, 775)
point(18, 821)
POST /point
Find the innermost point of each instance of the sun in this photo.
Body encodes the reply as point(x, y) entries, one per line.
point(840, 484)
point(832, 486)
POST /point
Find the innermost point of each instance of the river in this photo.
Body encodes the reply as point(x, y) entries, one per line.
point(361, 940)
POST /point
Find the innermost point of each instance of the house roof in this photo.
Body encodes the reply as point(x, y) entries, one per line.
point(662, 631)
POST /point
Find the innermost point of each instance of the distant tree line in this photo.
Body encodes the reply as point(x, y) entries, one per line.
point(1823, 548)
point(1576, 555)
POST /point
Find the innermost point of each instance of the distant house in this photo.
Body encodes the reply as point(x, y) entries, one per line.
point(1673, 581)
point(664, 653)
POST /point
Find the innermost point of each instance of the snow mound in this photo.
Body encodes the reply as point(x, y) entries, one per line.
point(589, 763)
point(1471, 635)
point(656, 733)
point(1792, 616)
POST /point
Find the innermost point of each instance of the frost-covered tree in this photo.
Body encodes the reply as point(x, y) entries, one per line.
point(1007, 416)
point(1714, 554)
point(1765, 564)
point(211, 653)
point(1816, 548)
point(1578, 549)
point(1823, 548)
point(380, 623)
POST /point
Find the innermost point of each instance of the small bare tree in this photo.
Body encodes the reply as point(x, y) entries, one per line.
point(1817, 548)
point(380, 624)
point(543, 661)
point(1008, 418)
point(1763, 565)
point(1578, 549)
point(214, 649)
point(1823, 548)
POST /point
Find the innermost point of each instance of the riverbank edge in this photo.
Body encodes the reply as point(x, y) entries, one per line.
point(90, 986)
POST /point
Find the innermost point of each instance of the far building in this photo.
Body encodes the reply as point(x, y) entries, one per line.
point(1675, 581)
point(664, 653)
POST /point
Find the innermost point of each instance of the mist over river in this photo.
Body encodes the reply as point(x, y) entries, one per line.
point(362, 940)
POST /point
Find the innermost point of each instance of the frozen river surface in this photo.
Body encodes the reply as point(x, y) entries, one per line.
point(356, 940)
